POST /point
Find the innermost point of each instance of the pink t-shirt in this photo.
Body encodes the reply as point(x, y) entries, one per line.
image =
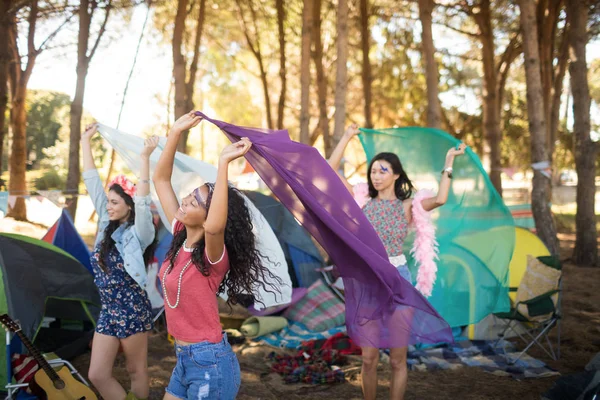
point(196, 317)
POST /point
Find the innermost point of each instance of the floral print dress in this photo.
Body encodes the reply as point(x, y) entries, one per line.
point(389, 220)
point(126, 309)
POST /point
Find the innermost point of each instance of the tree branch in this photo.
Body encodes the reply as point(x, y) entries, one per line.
point(245, 29)
point(256, 31)
point(197, 41)
point(102, 30)
point(513, 49)
point(471, 34)
point(32, 52)
point(53, 34)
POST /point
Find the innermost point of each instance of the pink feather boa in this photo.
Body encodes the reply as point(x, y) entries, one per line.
point(425, 246)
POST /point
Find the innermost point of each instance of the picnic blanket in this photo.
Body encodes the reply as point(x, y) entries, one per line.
point(295, 334)
point(479, 353)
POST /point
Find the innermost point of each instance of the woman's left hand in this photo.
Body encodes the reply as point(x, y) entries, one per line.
point(236, 150)
point(149, 146)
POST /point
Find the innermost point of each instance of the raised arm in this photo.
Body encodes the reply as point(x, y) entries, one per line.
point(216, 220)
point(336, 157)
point(144, 226)
point(442, 194)
point(86, 147)
point(90, 175)
point(164, 167)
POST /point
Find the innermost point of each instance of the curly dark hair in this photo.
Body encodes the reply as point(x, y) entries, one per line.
point(108, 243)
point(403, 187)
point(246, 267)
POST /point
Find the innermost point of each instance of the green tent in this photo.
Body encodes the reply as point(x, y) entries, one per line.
point(40, 280)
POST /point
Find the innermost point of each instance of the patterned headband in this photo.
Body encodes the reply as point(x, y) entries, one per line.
point(198, 196)
point(127, 186)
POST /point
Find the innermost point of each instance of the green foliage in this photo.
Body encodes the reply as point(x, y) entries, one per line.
point(47, 114)
point(51, 179)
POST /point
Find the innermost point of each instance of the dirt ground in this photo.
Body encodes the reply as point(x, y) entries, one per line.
point(580, 342)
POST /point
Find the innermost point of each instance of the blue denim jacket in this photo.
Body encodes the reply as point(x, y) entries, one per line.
point(131, 240)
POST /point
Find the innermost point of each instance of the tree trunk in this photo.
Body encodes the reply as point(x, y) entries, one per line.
point(544, 222)
point(179, 69)
point(321, 78)
point(341, 77)
point(17, 183)
point(307, 27)
point(563, 60)
point(255, 48)
point(86, 13)
point(547, 18)
point(434, 109)
point(76, 112)
point(365, 36)
point(19, 79)
point(491, 117)
point(511, 52)
point(4, 62)
point(191, 82)
point(282, 62)
point(586, 240)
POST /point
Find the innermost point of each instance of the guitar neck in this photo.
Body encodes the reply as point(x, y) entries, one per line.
point(39, 358)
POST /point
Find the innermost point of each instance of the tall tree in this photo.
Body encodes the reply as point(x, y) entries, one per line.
point(491, 114)
point(254, 43)
point(5, 59)
point(544, 222)
point(367, 79)
point(434, 108)
point(341, 76)
point(323, 126)
point(184, 81)
point(87, 9)
point(586, 241)
point(18, 79)
point(282, 62)
point(553, 59)
point(307, 27)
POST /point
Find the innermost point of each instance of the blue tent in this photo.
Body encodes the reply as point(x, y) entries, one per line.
point(64, 236)
point(299, 249)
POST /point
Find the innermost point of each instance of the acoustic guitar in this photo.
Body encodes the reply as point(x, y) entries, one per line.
point(48, 383)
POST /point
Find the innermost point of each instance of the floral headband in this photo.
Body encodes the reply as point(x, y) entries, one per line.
point(127, 186)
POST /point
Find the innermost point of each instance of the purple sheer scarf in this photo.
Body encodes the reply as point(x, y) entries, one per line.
point(382, 309)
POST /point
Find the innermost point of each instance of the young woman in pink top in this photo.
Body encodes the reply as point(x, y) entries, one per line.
point(213, 251)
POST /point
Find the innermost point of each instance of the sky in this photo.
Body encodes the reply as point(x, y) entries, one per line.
point(150, 81)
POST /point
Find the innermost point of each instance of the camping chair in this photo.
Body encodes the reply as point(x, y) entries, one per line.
point(13, 388)
point(543, 314)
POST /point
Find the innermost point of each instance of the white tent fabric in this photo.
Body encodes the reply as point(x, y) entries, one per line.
point(189, 173)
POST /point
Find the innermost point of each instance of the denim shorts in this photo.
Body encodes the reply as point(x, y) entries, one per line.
point(205, 371)
point(405, 272)
point(401, 265)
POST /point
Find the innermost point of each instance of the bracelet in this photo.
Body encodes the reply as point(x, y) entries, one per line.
point(448, 171)
point(143, 180)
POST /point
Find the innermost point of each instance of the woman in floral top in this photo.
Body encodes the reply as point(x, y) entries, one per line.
point(390, 211)
point(124, 246)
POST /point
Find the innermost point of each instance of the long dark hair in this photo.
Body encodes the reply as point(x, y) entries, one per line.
point(108, 242)
point(403, 187)
point(245, 261)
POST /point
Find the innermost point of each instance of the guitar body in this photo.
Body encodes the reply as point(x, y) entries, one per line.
point(43, 387)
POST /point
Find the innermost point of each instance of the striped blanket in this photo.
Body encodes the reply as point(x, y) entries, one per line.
point(482, 354)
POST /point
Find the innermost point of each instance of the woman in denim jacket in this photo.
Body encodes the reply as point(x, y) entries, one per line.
point(123, 247)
